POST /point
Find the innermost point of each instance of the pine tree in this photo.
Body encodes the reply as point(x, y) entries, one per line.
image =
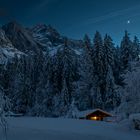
point(112, 98)
point(117, 67)
point(87, 42)
point(98, 54)
point(110, 86)
point(108, 51)
point(135, 49)
point(21, 87)
point(83, 95)
point(65, 95)
point(99, 70)
point(67, 67)
point(43, 97)
point(85, 86)
point(126, 51)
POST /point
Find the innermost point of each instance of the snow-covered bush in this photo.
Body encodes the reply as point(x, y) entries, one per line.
point(135, 119)
point(130, 94)
point(72, 113)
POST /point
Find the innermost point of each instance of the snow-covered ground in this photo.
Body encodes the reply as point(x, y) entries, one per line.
point(66, 129)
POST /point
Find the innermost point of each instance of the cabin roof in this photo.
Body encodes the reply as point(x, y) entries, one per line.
point(88, 112)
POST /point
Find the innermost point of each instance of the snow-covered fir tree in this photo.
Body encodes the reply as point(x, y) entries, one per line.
point(99, 70)
point(84, 93)
point(126, 51)
point(136, 49)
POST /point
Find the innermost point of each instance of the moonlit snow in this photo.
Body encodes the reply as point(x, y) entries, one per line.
point(66, 129)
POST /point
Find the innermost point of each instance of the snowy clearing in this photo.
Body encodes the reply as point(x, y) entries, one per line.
point(66, 129)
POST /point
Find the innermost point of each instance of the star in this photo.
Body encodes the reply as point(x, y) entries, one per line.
point(128, 22)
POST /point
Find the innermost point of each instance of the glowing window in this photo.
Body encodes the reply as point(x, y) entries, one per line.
point(94, 118)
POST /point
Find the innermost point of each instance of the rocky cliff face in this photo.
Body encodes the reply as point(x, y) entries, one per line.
point(7, 50)
point(20, 37)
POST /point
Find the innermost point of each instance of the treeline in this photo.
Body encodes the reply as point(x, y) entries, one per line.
point(41, 85)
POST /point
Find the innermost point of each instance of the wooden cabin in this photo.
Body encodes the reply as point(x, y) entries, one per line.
point(96, 115)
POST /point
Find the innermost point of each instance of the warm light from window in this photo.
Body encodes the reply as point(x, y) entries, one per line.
point(94, 118)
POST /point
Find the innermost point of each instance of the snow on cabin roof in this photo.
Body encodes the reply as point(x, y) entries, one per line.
point(87, 112)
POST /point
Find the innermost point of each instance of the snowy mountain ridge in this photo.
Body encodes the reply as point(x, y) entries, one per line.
point(17, 40)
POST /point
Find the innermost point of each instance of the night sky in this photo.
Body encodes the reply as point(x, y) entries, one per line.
point(74, 18)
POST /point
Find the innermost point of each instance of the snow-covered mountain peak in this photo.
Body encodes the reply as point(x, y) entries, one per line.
point(20, 37)
point(46, 35)
point(39, 28)
point(45, 29)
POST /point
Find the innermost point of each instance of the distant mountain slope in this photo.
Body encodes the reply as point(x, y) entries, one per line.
point(42, 37)
point(46, 35)
point(20, 37)
point(7, 50)
point(50, 40)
